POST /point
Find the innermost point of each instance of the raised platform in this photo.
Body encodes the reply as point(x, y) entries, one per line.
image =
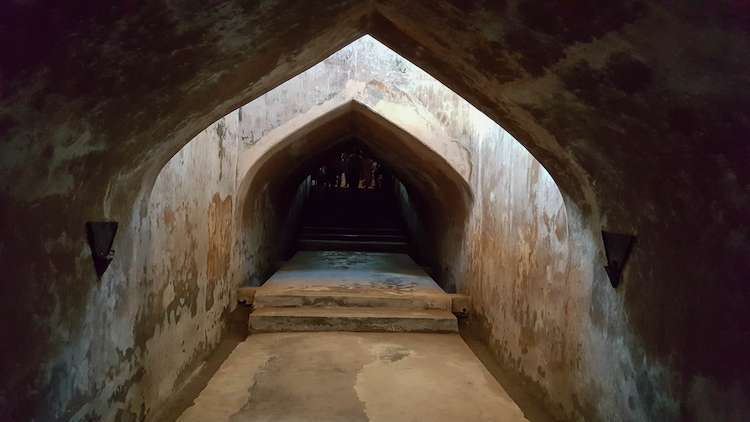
point(351, 291)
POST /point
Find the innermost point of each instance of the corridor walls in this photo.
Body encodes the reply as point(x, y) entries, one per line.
point(189, 280)
point(493, 218)
point(518, 270)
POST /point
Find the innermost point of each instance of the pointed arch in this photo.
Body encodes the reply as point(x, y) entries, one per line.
point(440, 192)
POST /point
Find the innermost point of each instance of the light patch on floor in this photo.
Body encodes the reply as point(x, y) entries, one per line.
point(440, 381)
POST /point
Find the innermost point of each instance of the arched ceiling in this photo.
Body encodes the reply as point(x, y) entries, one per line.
point(423, 170)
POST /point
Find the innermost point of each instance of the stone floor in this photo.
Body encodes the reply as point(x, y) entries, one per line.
point(352, 272)
point(344, 376)
point(318, 364)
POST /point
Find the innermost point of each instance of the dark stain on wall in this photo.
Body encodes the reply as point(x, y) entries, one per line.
point(221, 132)
point(219, 244)
point(535, 52)
point(121, 391)
point(578, 21)
point(627, 73)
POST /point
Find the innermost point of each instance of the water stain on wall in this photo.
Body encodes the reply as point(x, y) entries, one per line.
point(219, 244)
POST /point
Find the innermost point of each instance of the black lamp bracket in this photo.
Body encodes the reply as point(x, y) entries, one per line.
point(617, 247)
point(101, 236)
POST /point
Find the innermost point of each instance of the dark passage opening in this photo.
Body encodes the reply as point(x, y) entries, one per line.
point(352, 204)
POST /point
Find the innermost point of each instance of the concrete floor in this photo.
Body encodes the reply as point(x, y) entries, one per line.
point(342, 376)
point(351, 376)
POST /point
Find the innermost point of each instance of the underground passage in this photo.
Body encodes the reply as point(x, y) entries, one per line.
point(375, 211)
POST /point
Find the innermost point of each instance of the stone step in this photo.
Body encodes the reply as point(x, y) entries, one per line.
point(355, 245)
point(352, 319)
point(336, 229)
point(354, 237)
point(277, 298)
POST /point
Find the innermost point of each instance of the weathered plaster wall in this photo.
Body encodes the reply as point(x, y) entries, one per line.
point(79, 353)
point(421, 249)
point(636, 109)
point(189, 277)
point(267, 222)
point(504, 240)
point(519, 275)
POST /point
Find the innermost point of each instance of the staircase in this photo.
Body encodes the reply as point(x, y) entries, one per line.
point(344, 220)
point(368, 239)
point(352, 273)
point(351, 291)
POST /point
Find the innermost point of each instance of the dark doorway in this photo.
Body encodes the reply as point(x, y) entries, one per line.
point(353, 204)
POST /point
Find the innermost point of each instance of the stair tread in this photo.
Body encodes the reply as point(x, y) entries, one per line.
point(363, 242)
point(353, 245)
point(352, 236)
point(304, 291)
point(351, 239)
point(339, 229)
point(353, 312)
point(297, 298)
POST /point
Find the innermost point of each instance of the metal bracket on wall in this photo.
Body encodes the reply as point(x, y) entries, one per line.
point(101, 236)
point(617, 246)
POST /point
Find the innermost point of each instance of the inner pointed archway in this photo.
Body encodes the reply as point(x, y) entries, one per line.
point(435, 197)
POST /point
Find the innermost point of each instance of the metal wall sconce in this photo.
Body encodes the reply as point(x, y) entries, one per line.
point(101, 236)
point(617, 246)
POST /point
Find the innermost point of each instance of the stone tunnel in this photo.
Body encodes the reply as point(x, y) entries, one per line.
point(563, 234)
